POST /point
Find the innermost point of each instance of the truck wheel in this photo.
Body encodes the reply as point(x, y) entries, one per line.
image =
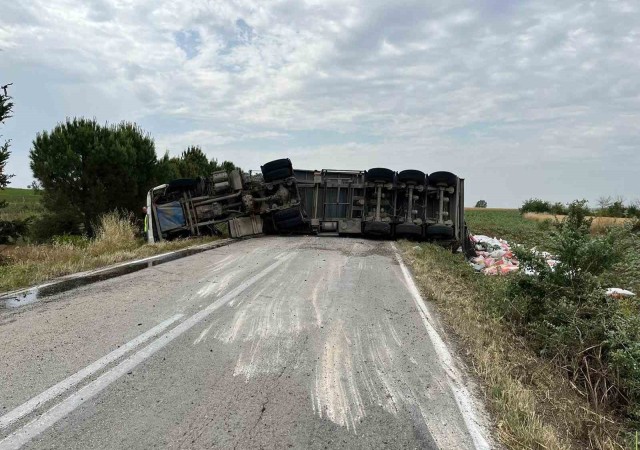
point(412, 176)
point(439, 232)
point(447, 178)
point(380, 174)
point(288, 219)
point(408, 230)
point(267, 225)
point(286, 214)
point(277, 170)
point(377, 228)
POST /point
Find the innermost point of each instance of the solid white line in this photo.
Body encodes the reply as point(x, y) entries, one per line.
point(460, 392)
point(23, 435)
point(66, 384)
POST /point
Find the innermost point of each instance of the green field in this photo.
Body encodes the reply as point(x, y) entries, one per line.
point(506, 224)
point(22, 203)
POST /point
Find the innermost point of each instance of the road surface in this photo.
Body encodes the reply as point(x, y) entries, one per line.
point(278, 342)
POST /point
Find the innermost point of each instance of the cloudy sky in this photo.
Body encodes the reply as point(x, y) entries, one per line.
point(521, 98)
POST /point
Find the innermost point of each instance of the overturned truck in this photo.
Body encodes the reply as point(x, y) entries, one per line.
point(279, 199)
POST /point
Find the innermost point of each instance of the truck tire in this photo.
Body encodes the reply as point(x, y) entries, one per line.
point(380, 174)
point(439, 232)
point(447, 178)
point(409, 230)
point(286, 214)
point(278, 174)
point(289, 224)
point(277, 170)
point(412, 176)
point(377, 229)
point(267, 225)
point(287, 219)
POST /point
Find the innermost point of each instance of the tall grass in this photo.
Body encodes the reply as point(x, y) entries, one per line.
point(116, 241)
point(533, 404)
point(598, 224)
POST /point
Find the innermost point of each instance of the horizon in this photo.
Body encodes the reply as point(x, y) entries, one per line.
point(533, 99)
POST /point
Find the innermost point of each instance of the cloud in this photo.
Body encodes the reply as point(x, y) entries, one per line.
point(503, 93)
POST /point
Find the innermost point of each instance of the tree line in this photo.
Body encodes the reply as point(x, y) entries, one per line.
point(86, 169)
point(607, 207)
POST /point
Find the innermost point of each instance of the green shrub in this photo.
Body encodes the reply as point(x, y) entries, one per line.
point(12, 230)
point(567, 317)
point(535, 205)
point(45, 227)
point(558, 208)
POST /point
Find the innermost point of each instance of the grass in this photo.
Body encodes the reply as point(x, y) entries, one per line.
point(506, 224)
point(598, 225)
point(534, 405)
point(116, 241)
point(21, 204)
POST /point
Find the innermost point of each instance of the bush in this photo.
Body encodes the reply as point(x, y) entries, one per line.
point(558, 208)
point(567, 317)
point(12, 230)
point(535, 205)
point(115, 231)
point(481, 204)
point(47, 226)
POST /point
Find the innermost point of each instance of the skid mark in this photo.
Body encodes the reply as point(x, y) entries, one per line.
point(202, 335)
point(217, 285)
point(336, 395)
point(364, 366)
point(268, 323)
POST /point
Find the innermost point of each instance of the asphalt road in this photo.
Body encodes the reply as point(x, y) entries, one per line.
point(278, 342)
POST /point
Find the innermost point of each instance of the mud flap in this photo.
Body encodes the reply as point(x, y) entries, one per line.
point(245, 226)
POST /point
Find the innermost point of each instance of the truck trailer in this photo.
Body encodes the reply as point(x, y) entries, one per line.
point(376, 203)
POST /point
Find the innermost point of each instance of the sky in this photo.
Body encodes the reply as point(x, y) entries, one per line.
point(521, 98)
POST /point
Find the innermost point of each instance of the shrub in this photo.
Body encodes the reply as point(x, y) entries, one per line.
point(558, 208)
point(567, 317)
point(535, 205)
point(12, 230)
point(115, 231)
point(47, 226)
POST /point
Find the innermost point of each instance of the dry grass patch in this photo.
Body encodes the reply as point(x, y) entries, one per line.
point(116, 241)
point(598, 225)
point(534, 406)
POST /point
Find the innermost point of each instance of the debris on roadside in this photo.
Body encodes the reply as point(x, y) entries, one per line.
point(496, 257)
point(619, 293)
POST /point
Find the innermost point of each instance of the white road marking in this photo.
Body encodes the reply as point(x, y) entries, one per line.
point(202, 335)
point(66, 384)
point(25, 434)
point(460, 392)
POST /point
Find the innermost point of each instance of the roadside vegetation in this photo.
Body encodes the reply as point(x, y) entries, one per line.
point(599, 224)
point(606, 207)
point(117, 239)
point(560, 361)
point(84, 171)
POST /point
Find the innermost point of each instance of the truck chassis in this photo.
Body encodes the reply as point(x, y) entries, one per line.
point(377, 203)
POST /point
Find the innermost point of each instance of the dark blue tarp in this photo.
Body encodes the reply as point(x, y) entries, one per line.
point(170, 216)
